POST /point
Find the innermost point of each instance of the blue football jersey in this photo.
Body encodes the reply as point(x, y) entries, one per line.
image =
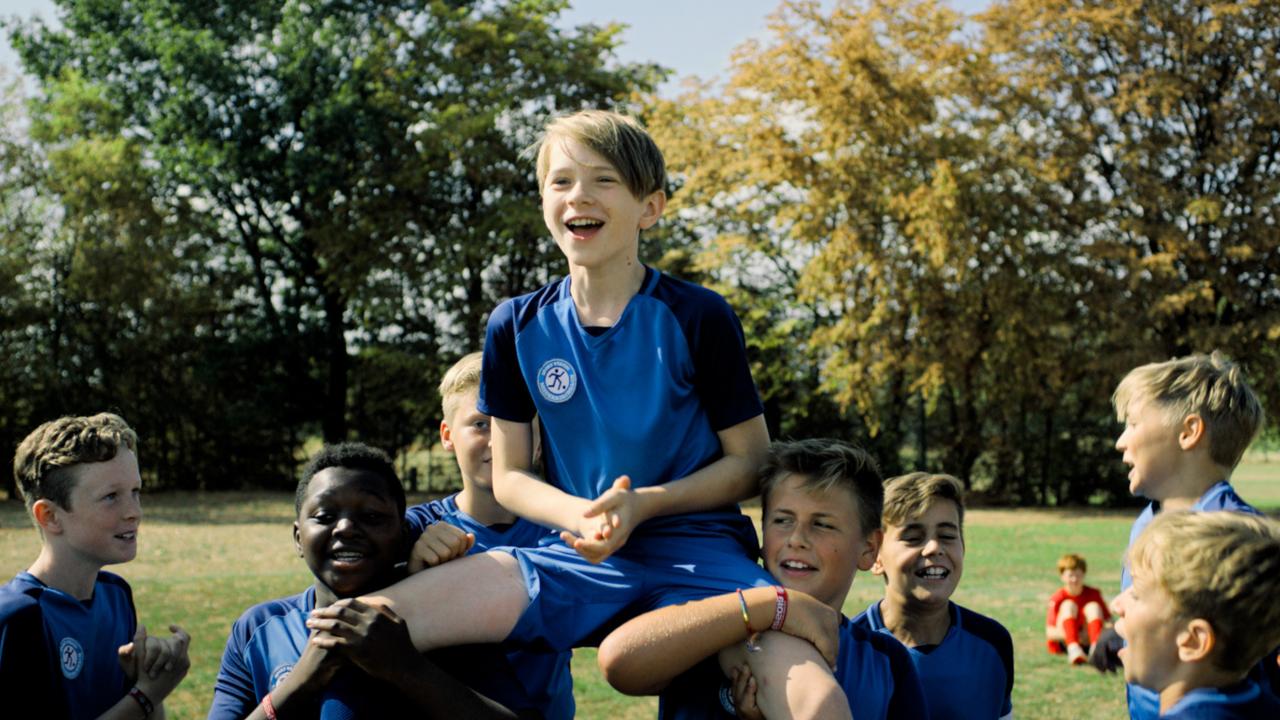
point(969, 675)
point(643, 398)
point(80, 639)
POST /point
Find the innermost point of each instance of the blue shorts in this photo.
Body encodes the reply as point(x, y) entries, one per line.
point(573, 602)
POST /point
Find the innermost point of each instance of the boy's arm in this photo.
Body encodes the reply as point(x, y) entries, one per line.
point(646, 653)
point(792, 681)
point(517, 488)
point(728, 480)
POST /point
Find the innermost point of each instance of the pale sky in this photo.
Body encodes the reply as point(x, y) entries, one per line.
point(692, 37)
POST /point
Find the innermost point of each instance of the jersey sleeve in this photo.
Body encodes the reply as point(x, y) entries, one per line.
point(503, 392)
point(233, 691)
point(419, 517)
point(722, 375)
point(26, 669)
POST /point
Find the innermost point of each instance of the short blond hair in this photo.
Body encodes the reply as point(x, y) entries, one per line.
point(908, 496)
point(1210, 386)
point(44, 460)
point(1072, 561)
point(621, 139)
point(1222, 567)
point(458, 380)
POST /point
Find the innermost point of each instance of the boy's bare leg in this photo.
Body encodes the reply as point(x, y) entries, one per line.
point(475, 599)
point(792, 679)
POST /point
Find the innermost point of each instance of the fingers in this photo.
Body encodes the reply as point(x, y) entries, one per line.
point(439, 543)
point(610, 499)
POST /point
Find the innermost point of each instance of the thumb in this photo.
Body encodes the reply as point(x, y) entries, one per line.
point(622, 483)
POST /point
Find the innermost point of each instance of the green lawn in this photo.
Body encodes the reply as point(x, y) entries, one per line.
point(204, 558)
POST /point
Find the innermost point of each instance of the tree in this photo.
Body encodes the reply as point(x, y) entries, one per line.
point(348, 173)
point(1167, 115)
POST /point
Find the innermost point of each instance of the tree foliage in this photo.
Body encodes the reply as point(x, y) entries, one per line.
point(295, 194)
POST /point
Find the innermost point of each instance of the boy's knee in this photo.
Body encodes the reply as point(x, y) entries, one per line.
point(1092, 611)
point(1068, 609)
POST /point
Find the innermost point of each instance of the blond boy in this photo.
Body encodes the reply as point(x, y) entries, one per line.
point(69, 636)
point(1187, 422)
point(1202, 612)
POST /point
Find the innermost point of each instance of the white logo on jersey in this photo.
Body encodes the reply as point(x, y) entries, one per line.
point(71, 657)
point(557, 380)
point(279, 674)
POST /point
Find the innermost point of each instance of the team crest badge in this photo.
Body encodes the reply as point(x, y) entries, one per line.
point(279, 674)
point(71, 657)
point(557, 380)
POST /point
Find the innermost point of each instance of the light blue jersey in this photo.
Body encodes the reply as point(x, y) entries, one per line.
point(967, 676)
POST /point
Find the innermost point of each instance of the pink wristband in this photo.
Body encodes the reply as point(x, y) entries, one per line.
point(780, 609)
point(268, 707)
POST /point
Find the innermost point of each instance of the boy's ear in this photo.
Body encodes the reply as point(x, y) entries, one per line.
point(1191, 432)
point(1196, 641)
point(654, 204)
point(45, 512)
point(297, 538)
point(870, 556)
point(446, 436)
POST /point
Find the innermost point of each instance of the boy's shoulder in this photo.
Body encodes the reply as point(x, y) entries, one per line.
point(264, 612)
point(24, 590)
point(986, 628)
point(1243, 701)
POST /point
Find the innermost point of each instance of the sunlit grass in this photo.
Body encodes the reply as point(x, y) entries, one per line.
point(204, 558)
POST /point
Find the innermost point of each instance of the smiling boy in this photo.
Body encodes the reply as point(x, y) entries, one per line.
point(965, 660)
point(652, 430)
point(69, 636)
point(821, 525)
point(351, 533)
point(1202, 611)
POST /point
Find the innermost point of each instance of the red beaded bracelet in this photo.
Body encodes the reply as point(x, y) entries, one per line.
point(268, 707)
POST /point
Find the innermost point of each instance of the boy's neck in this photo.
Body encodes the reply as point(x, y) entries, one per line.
point(916, 625)
point(601, 294)
point(480, 504)
point(1190, 483)
point(72, 575)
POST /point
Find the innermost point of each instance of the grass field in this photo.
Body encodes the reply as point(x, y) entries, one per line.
point(204, 558)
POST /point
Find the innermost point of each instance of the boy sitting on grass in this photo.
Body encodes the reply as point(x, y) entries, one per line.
point(1187, 422)
point(1201, 612)
point(473, 521)
point(350, 530)
point(965, 660)
point(1075, 609)
point(821, 519)
point(70, 642)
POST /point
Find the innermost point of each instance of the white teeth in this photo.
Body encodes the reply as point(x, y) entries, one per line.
point(127, 536)
point(347, 556)
point(796, 565)
point(584, 223)
point(934, 572)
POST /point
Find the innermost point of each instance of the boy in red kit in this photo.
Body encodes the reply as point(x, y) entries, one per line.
point(1074, 608)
